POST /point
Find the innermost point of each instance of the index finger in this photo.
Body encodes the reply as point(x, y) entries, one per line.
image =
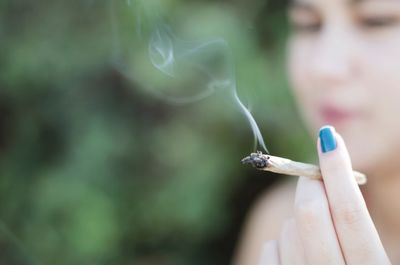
point(356, 232)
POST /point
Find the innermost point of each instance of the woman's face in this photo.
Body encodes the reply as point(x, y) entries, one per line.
point(344, 65)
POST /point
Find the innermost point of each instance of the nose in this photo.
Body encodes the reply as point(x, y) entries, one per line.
point(333, 58)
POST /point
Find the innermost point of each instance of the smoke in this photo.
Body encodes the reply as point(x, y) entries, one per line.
point(201, 65)
point(191, 70)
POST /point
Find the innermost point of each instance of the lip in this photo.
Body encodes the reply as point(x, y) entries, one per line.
point(335, 115)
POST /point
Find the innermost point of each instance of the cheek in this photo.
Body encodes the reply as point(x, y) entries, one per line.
point(380, 80)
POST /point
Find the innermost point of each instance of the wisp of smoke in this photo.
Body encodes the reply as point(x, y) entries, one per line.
point(198, 68)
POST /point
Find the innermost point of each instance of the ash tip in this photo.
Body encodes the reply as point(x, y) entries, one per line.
point(257, 160)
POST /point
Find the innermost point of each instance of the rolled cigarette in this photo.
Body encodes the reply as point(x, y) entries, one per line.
point(288, 167)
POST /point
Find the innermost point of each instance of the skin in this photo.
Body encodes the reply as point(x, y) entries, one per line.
point(343, 63)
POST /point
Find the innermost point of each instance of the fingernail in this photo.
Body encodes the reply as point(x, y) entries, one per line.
point(327, 138)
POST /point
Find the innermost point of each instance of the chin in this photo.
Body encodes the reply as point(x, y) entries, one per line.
point(363, 152)
point(357, 143)
point(360, 159)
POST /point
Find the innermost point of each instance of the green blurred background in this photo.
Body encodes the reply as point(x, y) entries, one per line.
point(97, 167)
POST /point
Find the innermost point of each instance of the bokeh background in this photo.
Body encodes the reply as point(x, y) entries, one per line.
point(97, 167)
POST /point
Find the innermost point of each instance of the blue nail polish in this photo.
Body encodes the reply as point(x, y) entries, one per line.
point(328, 141)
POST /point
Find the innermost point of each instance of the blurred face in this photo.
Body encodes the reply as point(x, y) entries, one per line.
point(344, 65)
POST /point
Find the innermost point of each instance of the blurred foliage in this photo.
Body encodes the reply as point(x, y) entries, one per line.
point(96, 168)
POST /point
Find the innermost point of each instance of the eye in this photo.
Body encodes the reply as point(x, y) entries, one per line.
point(379, 22)
point(306, 27)
point(304, 21)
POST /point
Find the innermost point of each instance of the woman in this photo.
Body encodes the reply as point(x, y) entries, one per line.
point(343, 60)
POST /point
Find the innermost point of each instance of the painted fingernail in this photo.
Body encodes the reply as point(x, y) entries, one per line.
point(327, 138)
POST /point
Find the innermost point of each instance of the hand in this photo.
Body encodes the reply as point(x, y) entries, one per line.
point(331, 223)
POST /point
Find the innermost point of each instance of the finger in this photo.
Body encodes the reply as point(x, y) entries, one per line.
point(356, 232)
point(290, 248)
point(270, 254)
point(314, 224)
